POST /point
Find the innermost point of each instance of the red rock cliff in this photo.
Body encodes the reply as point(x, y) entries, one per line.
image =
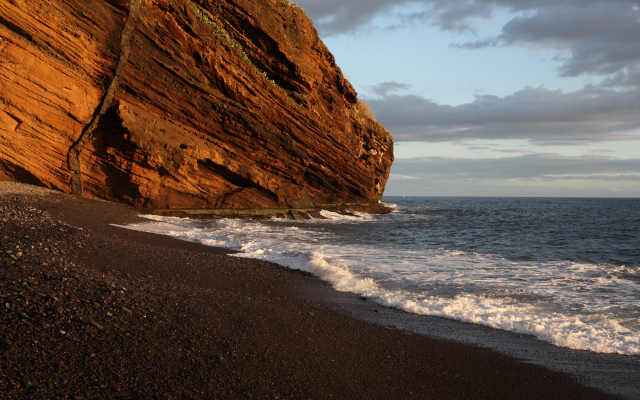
point(182, 104)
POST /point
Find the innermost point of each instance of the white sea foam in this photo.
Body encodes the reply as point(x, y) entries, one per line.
point(357, 216)
point(569, 304)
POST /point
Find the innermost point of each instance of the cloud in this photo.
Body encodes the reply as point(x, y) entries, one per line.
point(540, 115)
point(602, 37)
point(530, 166)
point(597, 37)
point(333, 17)
point(526, 175)
point(627, 78)
point(513, 151)
point(385, 88)
point(338, 17)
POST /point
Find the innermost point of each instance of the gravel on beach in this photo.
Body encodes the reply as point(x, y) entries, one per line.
point(95, 311)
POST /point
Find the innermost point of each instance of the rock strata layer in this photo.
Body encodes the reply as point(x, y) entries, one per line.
point(182, 104)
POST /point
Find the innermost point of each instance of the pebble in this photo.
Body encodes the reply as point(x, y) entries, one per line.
point(97, 325)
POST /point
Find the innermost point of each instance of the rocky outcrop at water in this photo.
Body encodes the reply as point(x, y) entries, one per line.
point(182, 104)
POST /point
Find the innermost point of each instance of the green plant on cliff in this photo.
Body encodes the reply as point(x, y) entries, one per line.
point(223, 36)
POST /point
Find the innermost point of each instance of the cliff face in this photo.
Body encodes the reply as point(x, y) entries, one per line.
point(182, 104)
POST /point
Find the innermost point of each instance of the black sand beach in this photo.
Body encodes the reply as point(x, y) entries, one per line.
point(90, 310)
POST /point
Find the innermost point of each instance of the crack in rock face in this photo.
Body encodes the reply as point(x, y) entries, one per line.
point(73, 157)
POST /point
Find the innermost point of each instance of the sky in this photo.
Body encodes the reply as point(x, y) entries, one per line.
point(497, 97)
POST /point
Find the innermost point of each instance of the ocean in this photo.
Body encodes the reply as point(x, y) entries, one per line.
point(565, 270)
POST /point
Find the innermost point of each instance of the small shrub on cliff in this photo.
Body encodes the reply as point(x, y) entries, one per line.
point(364, 111)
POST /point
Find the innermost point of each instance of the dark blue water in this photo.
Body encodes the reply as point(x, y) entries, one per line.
point(524, 229)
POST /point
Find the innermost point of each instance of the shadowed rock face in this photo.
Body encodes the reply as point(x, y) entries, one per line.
point(196, 104)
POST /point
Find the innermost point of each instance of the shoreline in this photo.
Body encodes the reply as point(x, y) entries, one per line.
point(601, 371)
point(205, 325)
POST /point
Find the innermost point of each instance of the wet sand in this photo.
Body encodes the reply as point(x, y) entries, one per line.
point(90, 310)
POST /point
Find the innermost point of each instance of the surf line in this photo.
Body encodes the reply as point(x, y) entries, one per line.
point(73, 157)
